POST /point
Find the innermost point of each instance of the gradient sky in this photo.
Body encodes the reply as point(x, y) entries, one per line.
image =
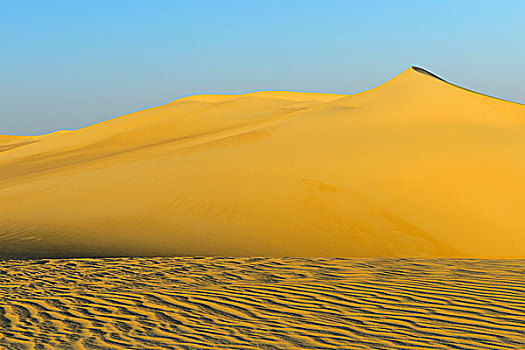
point(69, 64)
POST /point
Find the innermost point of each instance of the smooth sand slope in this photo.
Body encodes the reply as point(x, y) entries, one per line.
point(262, 303)
point(414, 167)
point(8, 142)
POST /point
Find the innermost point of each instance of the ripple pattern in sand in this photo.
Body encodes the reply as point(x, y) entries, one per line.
point(262, 303)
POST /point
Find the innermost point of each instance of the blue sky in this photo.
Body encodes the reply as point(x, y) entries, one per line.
point(68, 64)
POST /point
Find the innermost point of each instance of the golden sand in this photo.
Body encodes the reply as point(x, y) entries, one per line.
point(262, 303)
point(416, 167)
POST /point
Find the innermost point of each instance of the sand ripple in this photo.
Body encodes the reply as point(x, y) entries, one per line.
point(262, 303)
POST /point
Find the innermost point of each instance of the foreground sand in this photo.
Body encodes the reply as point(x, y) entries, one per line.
point(262, 303)
point(416, 167)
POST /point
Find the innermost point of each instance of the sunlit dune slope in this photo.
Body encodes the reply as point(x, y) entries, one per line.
point(8, 142)
point(414, 167)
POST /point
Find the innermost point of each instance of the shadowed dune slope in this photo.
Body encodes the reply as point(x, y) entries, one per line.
point(416, 167)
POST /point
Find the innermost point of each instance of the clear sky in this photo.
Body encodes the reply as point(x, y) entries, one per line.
point(68, 64)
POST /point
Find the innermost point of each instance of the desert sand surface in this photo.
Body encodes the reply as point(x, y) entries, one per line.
point(8, 142)
point(416, 167)
point(262, 303)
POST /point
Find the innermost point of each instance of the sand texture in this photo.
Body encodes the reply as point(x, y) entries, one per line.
point(416, 167)
point(262, 303)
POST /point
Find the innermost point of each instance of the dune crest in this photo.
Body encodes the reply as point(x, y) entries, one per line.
point(416, 167)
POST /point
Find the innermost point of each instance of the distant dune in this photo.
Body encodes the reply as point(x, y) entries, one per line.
point(416, 167)
point(8, 142)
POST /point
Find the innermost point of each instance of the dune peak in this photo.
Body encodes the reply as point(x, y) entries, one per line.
point(426, 72)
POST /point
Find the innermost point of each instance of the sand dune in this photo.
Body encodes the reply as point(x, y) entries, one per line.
point(262, 303)
point(416, 167)
point(8, 142)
